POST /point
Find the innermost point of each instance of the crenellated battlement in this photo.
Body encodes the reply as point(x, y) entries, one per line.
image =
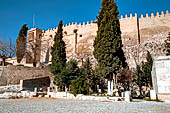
point(84, 24)
point(73, 25)
point(130, 19)
point(131, 16)
point(128, 23)
point(157, 15)
point(152, 15)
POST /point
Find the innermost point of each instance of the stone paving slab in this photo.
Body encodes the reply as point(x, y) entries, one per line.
point(45, 105)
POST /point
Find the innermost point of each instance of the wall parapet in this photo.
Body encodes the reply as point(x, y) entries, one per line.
point(131, 16)
point(152, 15)
point(74, 24)
point(128, 17)
point(79, 24)
point(122, 18)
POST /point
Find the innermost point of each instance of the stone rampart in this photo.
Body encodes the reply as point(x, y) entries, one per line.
point(162, 19)
point(129, 28)
point(13, 74)
point(79, 37)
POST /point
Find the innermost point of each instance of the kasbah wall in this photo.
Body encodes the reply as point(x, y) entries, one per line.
point(139, 35)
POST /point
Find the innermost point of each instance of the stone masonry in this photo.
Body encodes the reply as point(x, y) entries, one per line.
point(139, 35)
point(13, 74)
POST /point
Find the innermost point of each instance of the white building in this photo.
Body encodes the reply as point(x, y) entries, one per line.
point(161, 77)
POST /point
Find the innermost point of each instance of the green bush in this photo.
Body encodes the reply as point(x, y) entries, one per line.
point(79, 86)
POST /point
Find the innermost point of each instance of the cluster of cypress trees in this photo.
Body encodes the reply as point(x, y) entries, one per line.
point(107, 51)
point(107, 47)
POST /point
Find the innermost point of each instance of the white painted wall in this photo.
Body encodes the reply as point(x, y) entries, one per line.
point(161, 74)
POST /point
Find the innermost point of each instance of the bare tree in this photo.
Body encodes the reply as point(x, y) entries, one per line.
point(7, 49)
point(125, 78)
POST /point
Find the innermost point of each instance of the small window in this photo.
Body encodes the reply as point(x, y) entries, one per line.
point(65, 32)
point(80, 35)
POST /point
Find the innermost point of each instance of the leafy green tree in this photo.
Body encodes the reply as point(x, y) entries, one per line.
point(139, 81)
point(147, 69)
point(144, 76)
point(88, 73)
point(80, 86)
point(98, 79)
point(108, 44)
point(69, 73)
point(21, 43)
point(87, 66)
point(87, 70)
point(167, 45)
point(73, 72)
point(58, 52)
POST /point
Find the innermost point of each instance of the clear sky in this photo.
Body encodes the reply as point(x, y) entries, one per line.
point(15, 13)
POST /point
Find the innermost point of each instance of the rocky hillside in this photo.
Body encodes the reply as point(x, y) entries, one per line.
point(137, 54)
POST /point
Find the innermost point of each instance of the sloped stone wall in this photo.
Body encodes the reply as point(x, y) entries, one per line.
point(13, 74)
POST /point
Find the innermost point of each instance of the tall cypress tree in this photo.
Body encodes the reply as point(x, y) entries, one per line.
point(108, 44)
point(21, 43)
point(58, 51)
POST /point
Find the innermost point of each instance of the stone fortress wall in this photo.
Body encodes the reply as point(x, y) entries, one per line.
point(138, 36)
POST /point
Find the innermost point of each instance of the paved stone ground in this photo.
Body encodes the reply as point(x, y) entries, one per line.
point(44, 105)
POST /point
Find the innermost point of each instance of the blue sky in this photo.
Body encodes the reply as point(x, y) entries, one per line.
point(15, 13)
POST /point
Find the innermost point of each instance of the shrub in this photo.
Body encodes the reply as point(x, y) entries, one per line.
point(79, 86)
